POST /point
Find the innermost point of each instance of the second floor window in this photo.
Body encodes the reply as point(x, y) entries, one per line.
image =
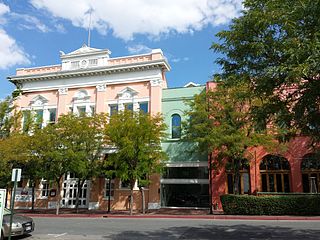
point(52, 117)
point(144, 107)
point(113, 109)
point(175, 126)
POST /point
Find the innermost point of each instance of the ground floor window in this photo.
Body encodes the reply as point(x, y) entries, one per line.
point(244, 183)
point(185, 185)
point(242, 168)
point(275, 174)
point(185, 195)
point(45, 188)
point(310, 169)
point(109, 188)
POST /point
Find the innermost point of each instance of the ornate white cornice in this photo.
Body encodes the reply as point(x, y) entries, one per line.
point(63, 91)
point(155, 82)
point(98, 71)
point(101, 87)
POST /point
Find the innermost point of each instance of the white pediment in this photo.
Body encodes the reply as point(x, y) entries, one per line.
point(127, 93)
point(81, 95)
point(38, 101)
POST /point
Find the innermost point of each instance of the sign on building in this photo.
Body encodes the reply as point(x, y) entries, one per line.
point(2, 204)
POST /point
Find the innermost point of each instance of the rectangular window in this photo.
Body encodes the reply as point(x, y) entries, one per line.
point(113, 109)
point(45, 188)
point(53, 114)
point(82, 110)
point(39, 118)
point(144, 107)
point(75, 65)
point(93, 110)
point(93, 62)
point(109, 191)
point(128, 106)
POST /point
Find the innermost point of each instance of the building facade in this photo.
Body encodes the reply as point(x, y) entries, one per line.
point(185, 181)
point(89, 81)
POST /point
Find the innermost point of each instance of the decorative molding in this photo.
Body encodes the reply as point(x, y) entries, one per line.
point(155, 82)
point(38, 101)
point(101, 87)
point(63, 91)
point(127, 93)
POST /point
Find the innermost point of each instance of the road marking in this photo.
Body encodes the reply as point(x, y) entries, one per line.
point(57, 235)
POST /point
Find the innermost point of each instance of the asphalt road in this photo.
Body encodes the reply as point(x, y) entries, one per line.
point(114, 228)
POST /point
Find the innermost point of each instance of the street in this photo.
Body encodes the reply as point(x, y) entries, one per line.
point(131, 228)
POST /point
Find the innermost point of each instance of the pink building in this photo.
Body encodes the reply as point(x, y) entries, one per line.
point(89, 80)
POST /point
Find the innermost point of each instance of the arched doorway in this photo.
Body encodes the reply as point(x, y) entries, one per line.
point(310, 170)
point(275, 174)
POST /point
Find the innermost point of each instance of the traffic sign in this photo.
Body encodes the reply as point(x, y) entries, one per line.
point(14, 172)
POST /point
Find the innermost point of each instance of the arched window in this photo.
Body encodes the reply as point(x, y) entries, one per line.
point(243, 179)
point(310, 169)
point(275, 174)
point(176, 126)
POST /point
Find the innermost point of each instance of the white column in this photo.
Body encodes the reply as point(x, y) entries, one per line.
point(46, 117)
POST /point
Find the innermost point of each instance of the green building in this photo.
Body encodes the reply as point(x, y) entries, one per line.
point(184, 182)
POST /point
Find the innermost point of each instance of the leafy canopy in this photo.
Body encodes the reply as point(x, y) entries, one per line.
point(136, 137)
point(274, 48)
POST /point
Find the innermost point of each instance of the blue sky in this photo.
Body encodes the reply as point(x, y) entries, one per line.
point(32, 32)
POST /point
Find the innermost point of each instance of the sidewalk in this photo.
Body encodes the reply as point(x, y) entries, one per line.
point(161, 213)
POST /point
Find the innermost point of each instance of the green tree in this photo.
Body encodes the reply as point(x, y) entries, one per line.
point(220, 122)
point(16, 152)
point(49, 148)
point(274, 49)
point(84, 144)
point(74, 144)
point(136, 137)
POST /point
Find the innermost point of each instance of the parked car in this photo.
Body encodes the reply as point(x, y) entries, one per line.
point(21, 225)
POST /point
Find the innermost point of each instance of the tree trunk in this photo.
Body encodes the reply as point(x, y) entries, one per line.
point(143, 200)
point(32, 197)
point(131, 199)
point(58, 197)
point(236, 180)
point(79, 187)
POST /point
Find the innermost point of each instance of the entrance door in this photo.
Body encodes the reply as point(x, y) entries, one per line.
point(69, 194)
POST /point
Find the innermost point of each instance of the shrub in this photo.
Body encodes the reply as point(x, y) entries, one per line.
point(271, 205)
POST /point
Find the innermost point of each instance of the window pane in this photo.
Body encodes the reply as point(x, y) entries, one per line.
point(279, 183)
point(128, 106)
point(264, 183)
point(144, 107)
point(176, 126)
point(246, 183)
point(271, 183)
point(81, 110)
point(185, 195)
point(186, 173)
point(53, 112)
point(230, 183)
point(113, 109)
point(305, 183)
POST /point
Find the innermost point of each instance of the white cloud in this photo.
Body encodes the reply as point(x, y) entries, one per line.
point(30, 22)
point(3, 10)
point(138, 49)
point(10, 53)
point(153, 18)
point(176, 60)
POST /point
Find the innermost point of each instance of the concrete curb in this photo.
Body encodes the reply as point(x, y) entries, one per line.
point(207, 217)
